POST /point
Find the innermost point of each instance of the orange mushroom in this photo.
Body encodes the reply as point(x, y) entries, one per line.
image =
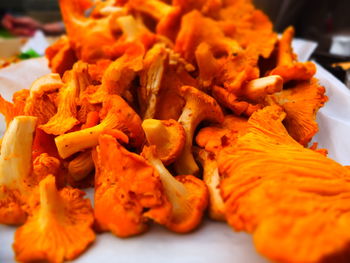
point(39, 103)
point(196, 29)
point(214, 139)
point(231, 101)
point(61, 56)
point(287, 66)
point(125, 186)
point(187, 194)
point(119, 74)
point(15, 169)
point(81, 166)
point(59, 228)
point(65, 118)
point(199, 107)
point(91, 38)
point(115, 114)
point(167, 136)
point(11, 110)
point(151, 79)
point(211, 178)
point(292, 199)
point(301, 103)
point(167, 16)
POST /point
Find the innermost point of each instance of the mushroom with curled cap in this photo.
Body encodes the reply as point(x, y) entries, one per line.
point(168, 137)
point(301, 102)
point(91, 38)
point(15, 169)
point(199, 107)
point(10, 110)
point(115, 114)
point(284, 193)
point(119, 74)
point(187, 195)
point(66, 115)
point(59, 228)
point(287, 66)
point(211, 178)
point(231, 101)
point(126, 186)
point(39, 103)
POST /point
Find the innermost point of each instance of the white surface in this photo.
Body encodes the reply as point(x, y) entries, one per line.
point(38, 43)
point(214, 241)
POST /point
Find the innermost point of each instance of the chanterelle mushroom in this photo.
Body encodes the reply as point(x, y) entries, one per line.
point(126, 186)
point(287, 66)
point(115, 114)
point(60, 227)
point(199, 107)
point(15, 169)
point(187, 194)
point(167, 135)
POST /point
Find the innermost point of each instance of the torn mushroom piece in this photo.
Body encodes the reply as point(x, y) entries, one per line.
point(168, 136)
point(60, 227)
point(287, 66)
point(151, 79)
point(126, 187)
point(115, 114)
point(11, 110)
point(199, 107)
point(15, 169)
point(187, 194)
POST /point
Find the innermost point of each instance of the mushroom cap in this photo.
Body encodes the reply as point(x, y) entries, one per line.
point(125, 185)
point(59, 228)
point(204, 106)
point(197, 198)
point(301, 103)
point(284, 193)
point(126, 119)
point(168, 136)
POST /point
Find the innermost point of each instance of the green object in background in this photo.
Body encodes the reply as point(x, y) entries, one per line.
point(5, 34)
point(29, 54)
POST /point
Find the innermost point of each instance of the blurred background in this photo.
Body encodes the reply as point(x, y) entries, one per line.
point(326, 22)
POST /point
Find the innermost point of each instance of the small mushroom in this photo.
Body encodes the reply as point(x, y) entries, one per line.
point(168, 136)
point(199, 107)
point(187, 194)
point(287, 66)
point(115, 114)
